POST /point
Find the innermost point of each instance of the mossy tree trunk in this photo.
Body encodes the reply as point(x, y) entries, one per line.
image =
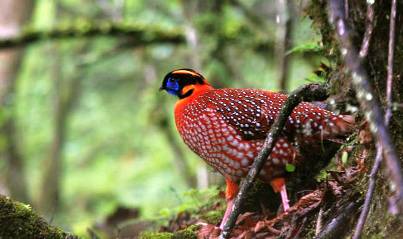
point(380, 223)
point(13, 14)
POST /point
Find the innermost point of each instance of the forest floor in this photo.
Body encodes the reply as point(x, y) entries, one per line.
point(308, 216)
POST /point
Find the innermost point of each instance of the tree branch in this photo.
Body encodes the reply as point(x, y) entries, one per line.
point(311, 92)
point(368, 101)
point(368, 196)
point(339, 225)
point(369, 28)
point(140, 34)
point(378, 159)
point(284, 41)
point(137, 34)
point(391, 52)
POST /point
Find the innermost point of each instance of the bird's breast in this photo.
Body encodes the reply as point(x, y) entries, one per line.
point(206, 132)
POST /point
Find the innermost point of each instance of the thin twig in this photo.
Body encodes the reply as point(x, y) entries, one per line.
point(369, 28)
point(319, 221)
point(368, 197)
point(378, 159)
point(368, 101)
point(311, 92)
point(391, 51)
point(339, 225)
point(285, 13)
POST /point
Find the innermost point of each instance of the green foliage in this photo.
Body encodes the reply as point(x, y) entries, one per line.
point(307, 47)
point(344, 157)
point(213, 217)
point(322, 176)
point(290, 167)
point(114, 152)
point(192, 201)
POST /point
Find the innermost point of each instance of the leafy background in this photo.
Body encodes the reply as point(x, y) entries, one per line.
point(116, 150)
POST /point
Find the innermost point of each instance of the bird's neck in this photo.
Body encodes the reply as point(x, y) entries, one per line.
point(197, 91)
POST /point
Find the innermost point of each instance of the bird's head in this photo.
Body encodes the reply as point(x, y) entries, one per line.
point(183, 82)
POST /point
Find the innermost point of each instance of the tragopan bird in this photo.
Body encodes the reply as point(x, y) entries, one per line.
point(227, 128)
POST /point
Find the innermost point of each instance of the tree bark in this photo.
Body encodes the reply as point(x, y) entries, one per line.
point(66, 94)
point(13, 14)
point(380, 222)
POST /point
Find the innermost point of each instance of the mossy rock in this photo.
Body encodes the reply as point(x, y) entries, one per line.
point(18, 220)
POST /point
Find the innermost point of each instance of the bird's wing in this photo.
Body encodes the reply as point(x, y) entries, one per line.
point(251, 112)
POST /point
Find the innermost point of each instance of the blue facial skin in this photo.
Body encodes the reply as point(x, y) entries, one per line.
point(172, 86)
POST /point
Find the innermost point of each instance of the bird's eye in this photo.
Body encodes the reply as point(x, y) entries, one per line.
point(171, 80)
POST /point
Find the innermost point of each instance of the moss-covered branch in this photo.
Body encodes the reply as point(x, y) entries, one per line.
point(139, 33)
point(18, 220)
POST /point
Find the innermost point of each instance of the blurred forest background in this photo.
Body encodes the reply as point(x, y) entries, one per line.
point(85, 129)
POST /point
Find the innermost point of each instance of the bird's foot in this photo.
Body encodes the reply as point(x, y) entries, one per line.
point(230, 204)
point(284, 199)
point(278, 185)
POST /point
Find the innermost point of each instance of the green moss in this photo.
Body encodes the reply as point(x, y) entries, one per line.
point(188, 233)
point(213, 217)
point(18, 220)
point(156, 235)
point(317, 13)
point(316, 10)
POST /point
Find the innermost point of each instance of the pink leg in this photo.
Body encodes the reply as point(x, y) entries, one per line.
point(284, 198)
point(230, 204)
point(278, 185)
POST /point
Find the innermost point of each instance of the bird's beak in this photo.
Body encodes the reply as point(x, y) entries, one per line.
point(161, 88)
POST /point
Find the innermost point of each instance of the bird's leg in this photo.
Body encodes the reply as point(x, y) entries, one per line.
point(284, 198)
point(230, 193)
point(278, 185)
point(228, 210)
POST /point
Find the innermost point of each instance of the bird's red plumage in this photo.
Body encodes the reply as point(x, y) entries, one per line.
point(227, 128)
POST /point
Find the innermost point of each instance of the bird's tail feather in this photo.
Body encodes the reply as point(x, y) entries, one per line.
point(342, 125)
